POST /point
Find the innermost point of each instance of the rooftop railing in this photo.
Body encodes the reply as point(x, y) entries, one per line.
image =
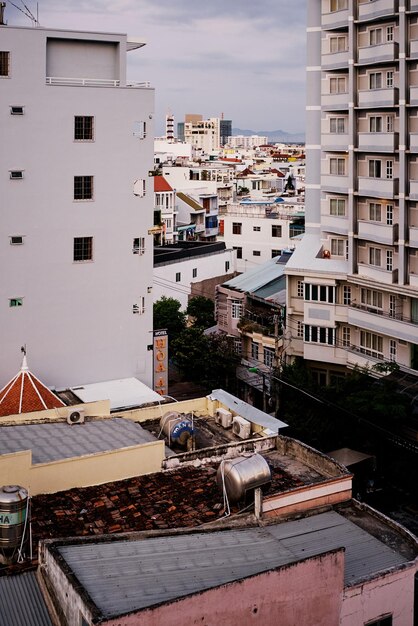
point(92, 82)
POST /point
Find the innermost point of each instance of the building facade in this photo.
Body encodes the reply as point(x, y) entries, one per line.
point(77, 205)
point(352, 286)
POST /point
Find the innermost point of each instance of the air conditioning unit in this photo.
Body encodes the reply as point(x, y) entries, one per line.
point(75, 417)
point(224, 418)
point(241, 427)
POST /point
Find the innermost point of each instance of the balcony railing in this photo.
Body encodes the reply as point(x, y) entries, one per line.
point(378, 142)
point(335, 19)
point(334, 183)
point(378, 54)
point(335, 141)
point(92, 82)
point(413, 5)
point(334, 60)
point(413, 95)
point(413, 236)
point(389, 277)
point(413, 189)
point(413, 48)
point(334, 224)
point(378, 8)
point(378, 97)
point(378, 232)
point(334, 101)
point(400, 317)
point(378, 187)
point(413, 142)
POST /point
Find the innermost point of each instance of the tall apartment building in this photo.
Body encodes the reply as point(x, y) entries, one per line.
point(76, 207)
point(353, 281)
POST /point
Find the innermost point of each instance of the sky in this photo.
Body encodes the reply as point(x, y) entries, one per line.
point(243, 58)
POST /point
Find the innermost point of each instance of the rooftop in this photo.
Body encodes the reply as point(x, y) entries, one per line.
point(161, 184)
point(22, 602)
point(183, 250)
point(259, 277)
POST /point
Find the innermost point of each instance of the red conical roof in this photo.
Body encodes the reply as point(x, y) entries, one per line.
point(25, 393)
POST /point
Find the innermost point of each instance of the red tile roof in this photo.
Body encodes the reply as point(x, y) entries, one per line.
point(160, 184)
point(25, 393)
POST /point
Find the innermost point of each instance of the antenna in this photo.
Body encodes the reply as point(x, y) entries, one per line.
point(26, 12)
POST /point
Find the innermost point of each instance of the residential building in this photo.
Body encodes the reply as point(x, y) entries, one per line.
point(247, 141)
point(197, 212)
point(204, 135)
point(166, 208)
point(77, 146)
point(352, 287)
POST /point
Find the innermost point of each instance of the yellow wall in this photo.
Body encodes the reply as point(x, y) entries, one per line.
point(199, 406)
point(100, 408)
point(84, 471)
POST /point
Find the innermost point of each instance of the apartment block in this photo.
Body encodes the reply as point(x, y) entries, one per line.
point(77, 205)
point(352, 283)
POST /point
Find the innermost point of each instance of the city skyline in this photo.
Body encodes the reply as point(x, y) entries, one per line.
point(245, 61)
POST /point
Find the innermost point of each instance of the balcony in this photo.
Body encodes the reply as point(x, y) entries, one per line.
point(333, 183)
point(413, 282)
point(413, 95)
point(413, 5)
point(413, 189)
point(378, 142)
point(413, 236)
point(324, 353)
point(378, 54)
point(333, 224)
point(413, 49)
point(413, 142)
point(334, 60)
point(379, 274)
point(335, 19)
point(376, 9)
point(211, 232)
point(381, 322)
point(92, 82)
point(373, 98)
point(334, 101)
point(378, 187)
point(335, 141)
point(357, 357)
point(378, 232)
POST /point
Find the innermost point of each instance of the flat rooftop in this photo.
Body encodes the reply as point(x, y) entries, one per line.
point(59, 440)
point(170, 567)
point(182, 251)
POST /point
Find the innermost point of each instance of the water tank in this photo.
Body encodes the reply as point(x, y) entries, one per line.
point(13, 507)
point(243, 474)
point(178, 428)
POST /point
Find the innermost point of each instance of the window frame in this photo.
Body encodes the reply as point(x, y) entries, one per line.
point(83, 188)
point(277, 230)
point(5, 63)
point(81, 129)
point(337, 207)
point(237, 228)
point(84, 253)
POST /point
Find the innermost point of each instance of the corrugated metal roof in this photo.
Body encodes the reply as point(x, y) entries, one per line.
point(190, 201)
point(257, 277)
point(21, 602)
point(122, 393)
point(50, 442)
point(247, 410)
point(124, 576)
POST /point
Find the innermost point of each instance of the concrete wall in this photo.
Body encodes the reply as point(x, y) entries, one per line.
point(199, 406)
point(83, 471)
point(304, 593)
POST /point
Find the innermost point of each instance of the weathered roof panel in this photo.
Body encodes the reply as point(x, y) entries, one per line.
point(22, 602)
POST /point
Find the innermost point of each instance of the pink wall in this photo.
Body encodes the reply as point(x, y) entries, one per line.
point(391, 594)
point(308, 592)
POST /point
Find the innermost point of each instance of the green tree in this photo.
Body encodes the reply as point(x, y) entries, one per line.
point(167, 314)
point(202, 311)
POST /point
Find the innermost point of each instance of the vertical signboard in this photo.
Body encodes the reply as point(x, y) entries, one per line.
point(161, 362)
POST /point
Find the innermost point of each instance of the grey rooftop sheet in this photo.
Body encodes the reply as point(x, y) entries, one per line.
point(21, 602)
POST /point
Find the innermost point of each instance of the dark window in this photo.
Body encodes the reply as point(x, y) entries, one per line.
point(383, 621)
point(16, 110)
point(236, 228)
point(4, 63)
point(239, 252)
point(275, 253)
point(83, 187)
point(256, 253)
point(16, 302)
point(83, 128)
point(178, 277)
point(83, 248)
point(276, 230)
point(194, 272)
point(226, 266)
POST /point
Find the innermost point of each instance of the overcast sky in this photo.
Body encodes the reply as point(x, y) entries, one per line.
point(243, 58)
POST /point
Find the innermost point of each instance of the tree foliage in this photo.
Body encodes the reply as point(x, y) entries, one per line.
point(167, 314)
point(202, 311)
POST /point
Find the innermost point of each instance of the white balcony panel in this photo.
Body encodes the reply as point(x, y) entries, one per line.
point(377, 232)
point(334, 60)
point(413, 281)
point(413, 142)
point(356, 359)
point(324, 353)
point(336, 19)
point(372, 98)
point(413, 5)
point(378, 142)
point(378, 273)
point(383, 324)
point(333, 224)
point(413, 48)
point(413, 95)
point(210, 232)
point(334, 101)
point(377, 187)
point(378, 54)
point(377, 8)
point(413, 236)
point(337, 184)
point(335, 141)
point(413, 189)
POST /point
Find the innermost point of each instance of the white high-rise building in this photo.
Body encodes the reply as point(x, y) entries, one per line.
point(76, 207)
point(353, 281)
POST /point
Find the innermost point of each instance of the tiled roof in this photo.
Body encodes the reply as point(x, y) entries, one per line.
point(25, 393)
point(160, 184)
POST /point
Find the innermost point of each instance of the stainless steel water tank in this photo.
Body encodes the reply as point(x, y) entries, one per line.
point(243, 474)
point(13, 507)
point(176, 427)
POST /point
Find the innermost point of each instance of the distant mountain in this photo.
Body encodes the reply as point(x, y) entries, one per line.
point(275, 136)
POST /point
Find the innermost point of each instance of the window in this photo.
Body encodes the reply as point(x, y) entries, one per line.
point(139, 308)
point(140, 187)
point(140, 130)
point(337, 84)
point(138, 245)
point(237, 345)
point(346, 336)
point(389, 169)
point(239, 251)
point(257, 228)
point(375, 256)
point(375, 36)
point(226, 266)
point(392, 305)
point(254, 350)
point(347, 294)
point(390, 123)
point(16, 174)
point(338, 44)
point(375, 168)
point(337, 207)
point(338, 247)
point(17, 110)
point(371, 299)
point(320, 334)
point(382, 621)
point(83, 128)
point(389, 260)
point(371, 344)
point(178, 277)
point(83, 248)
point(16, 302)
point(236, 309)
point(194, 272)
point(375, 80)
point(392, 350)
point(390, 78)
point(389, 33)
point(83, 187)
point(299, 329)
point(375, 124)
point(276, 230)
point(319, 293)
point(4, 63)
point(337, 125)
point(236, 228)
point(268, 357)
point(337, 5)
point(389, 214)
point(375, 212)
point(337, 166)
point(16, 240)
point(275, 253)
point(299, 289)
point(256, 253)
